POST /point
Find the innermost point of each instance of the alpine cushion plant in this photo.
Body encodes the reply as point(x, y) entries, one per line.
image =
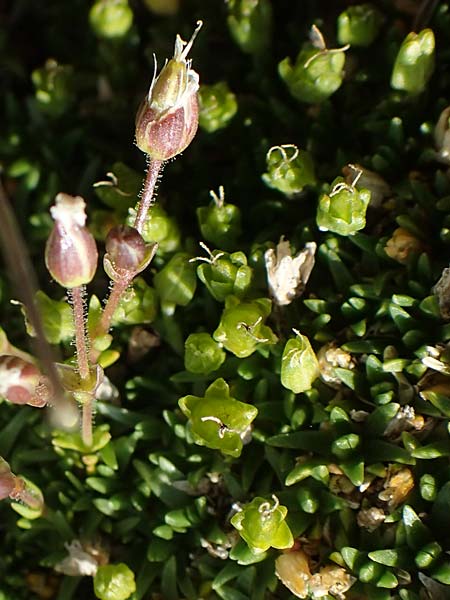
point(264, 418)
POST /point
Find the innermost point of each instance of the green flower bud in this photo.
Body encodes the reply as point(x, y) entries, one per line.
point(202, 354)
point(176, 282)
point(225, 274)
point(299, 365)
point(7, 479)
point(250, 24)
point(262, 525)
point(241, 329)
point(414, 64)
point(126, 252)
point(217, 106)
point(359, 25)
point(111, 19)
point(317, 72)
point(167, 119)
point(21, 382)
point(343, 210)
point(114, 582)
point(160, 229)
point(217, 420)
point(288, 169)
point(54, 87)
point(70, 254)
point(220, 223)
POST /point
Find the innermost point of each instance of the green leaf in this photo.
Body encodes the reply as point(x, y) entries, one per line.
point(417, 535)
point(399, 558)
point(312, 441)
point(442, 573)
point(73, 441)
point(57, 318)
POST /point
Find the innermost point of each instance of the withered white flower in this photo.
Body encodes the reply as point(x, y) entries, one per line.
point(78, 562)
point(293, 569)
point(330, 357)
point(442, 291)
point(287, 275)
point(442, 136)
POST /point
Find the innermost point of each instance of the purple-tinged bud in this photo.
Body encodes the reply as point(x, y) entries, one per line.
point(126, 252)
point(7, 480)
point(167, 119)
point(71, 254)
point(125, 246)
point(21, 382)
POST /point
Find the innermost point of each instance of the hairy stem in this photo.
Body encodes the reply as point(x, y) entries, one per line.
point(81, 343)
point(80, 332)
point(119, 287)
point(147, 197)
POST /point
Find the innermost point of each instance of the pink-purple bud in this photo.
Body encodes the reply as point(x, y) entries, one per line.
point(71, 253)
point(127, 254)
point(21, 382)
point(7, 480)
point(126, 247)
point(167, 119)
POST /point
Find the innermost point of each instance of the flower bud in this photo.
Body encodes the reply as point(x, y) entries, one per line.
point(414, 64)
point(114, 582)
point(126, 252)
point(167, 119)
point(358, 25)
point(220, 222)
point(241, 329)
point(262, 524)
point(317, 73)
point(54, 87)
point(217, 106)
point(70, 254)
point(125, 246)
point(250, 24)
point(225, 274)
point(202, 354)
point(288, 172)
point(21, 382)
point(7, 480)
point(299, 365)
point(111, 19)
point(217, 420)
point(343, 210)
